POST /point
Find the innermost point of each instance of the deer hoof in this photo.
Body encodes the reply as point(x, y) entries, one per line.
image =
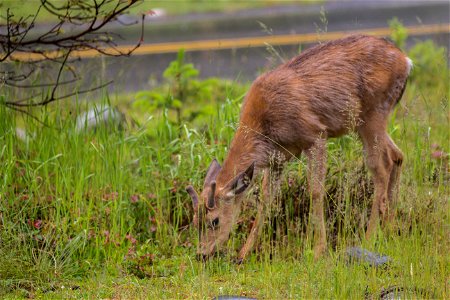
point(238, 260)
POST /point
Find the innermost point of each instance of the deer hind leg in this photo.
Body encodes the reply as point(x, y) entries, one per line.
point(379, 160)
point(317, 157)
point(395, 155)
point(394, 179)
point(270, 190)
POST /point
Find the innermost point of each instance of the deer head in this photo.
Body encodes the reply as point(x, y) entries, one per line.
point(217, 207)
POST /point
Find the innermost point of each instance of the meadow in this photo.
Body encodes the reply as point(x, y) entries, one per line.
point(104, 214)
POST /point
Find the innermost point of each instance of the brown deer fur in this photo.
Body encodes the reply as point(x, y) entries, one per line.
point(351, 84)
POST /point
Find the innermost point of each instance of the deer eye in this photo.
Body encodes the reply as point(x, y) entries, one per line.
point(214, 224)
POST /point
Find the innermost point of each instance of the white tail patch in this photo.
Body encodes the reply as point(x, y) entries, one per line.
point(410, 64)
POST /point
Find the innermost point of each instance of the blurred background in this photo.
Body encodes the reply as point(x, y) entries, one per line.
point(238, 40)
point(251, 28)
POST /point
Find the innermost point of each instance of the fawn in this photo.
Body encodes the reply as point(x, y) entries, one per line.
point(350, 84)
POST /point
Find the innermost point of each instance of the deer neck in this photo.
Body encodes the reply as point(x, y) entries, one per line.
point(245, 149)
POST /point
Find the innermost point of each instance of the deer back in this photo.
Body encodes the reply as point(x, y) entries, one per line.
point(327, 90)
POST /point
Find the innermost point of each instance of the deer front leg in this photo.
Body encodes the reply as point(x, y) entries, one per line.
point(270, 187)
point(316, 178)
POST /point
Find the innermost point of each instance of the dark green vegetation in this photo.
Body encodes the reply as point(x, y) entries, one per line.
point(104, 213)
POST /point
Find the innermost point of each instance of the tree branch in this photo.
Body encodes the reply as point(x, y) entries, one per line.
point(52, 98)
point(54, 47)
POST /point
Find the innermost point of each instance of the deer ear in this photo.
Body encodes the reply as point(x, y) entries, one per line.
point(211, 202)
point(242, 181)
point(194, 196)
point(212, 172)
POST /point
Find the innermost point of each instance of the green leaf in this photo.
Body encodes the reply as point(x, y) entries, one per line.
point(180, 57)
point(176, 103)
point(143, 95)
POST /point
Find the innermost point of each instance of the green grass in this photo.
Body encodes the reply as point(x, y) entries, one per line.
point(104, 214)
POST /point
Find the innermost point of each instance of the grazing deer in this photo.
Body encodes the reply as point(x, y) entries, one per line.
point(350, 84)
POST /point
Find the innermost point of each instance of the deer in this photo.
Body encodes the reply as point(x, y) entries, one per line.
point(329, 90)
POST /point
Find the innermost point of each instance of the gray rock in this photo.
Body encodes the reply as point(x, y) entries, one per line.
point(394, 292)
point(357, 254)
point(231, 297)
point(23, 135)
point(103, 116)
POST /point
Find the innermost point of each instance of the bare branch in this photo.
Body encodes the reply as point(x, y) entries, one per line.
point(63, 64)
point(52, 98)
point(27, 86)
point(80, 26)
point(25, 112)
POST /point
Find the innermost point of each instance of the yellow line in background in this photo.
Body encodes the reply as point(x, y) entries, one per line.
point(275, 40)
